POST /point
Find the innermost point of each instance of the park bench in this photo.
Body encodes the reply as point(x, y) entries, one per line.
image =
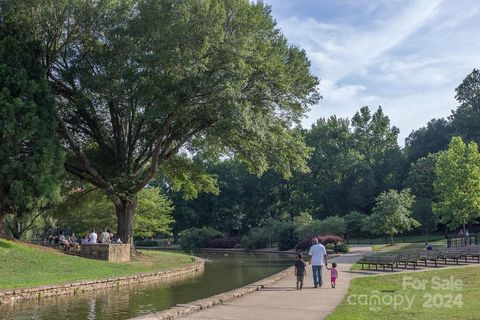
point(454, 254)
point(471, 252)
point(383, 261)
point(430, 255)
point(408, 258)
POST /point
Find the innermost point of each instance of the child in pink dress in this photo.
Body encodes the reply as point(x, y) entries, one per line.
point(333, 274)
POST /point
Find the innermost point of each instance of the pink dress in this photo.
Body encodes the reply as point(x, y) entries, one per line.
point(333, 275)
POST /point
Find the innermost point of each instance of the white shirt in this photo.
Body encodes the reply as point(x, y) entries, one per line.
point(317, 252)
point(92, 238)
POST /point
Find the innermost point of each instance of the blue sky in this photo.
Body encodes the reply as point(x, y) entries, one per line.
point(407, 56)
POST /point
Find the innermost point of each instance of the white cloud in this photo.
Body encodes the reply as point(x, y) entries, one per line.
point(407, 56)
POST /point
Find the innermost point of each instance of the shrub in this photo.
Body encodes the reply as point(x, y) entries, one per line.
point(342, 247)
point(330, 225)
point(302, 220)
point(195, 238)
point(256, 239)
point(231, 242)
point(287, 238)
point(354, 223)
point(325, 239)
point(334, 225)
point(149, 243)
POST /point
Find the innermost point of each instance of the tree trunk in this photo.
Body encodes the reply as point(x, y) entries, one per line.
point(464, 235)
point(391, 238)
point(125, 211)
point(2, 226)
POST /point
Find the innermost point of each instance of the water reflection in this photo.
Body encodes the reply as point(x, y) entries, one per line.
point(222, 273)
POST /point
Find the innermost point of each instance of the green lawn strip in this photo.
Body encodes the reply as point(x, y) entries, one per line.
point(429, 303)
point(26, 265)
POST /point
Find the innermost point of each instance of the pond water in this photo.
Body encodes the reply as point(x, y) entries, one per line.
point(223, 272)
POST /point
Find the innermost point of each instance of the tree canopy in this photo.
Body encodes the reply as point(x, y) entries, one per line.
point(457, 183)
point(31, 158)
point(141, 83)
point(392, 214)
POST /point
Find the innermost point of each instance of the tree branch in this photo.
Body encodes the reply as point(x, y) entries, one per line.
point(97, 179)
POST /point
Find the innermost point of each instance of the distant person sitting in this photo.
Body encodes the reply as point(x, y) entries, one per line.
point(72, 240)
point(428, 246)
point(105, 236)
point(92, 237)
point(63, 241)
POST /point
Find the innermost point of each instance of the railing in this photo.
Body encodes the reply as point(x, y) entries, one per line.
point(457, 241)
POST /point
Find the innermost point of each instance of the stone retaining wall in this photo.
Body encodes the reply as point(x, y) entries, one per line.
point(181, 310)
point(109, 252)
point(14, 295)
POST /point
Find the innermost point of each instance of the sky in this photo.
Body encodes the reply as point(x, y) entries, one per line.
point(407, 56)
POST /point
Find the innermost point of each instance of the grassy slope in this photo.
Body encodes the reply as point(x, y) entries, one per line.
point(24, 265)
point(392, 285)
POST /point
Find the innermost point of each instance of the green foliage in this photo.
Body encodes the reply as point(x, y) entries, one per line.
point(204, 78)
point(83, 210)
point(273, 230)
point(287, 238)
point(432, 138)
point(457, 183)
point(30, 155)
point(196, 238)
point(420, 181)
point(189, 176)
point(337, 247)
point(334, 225)
point(423, 213)
point(153, 214)
point(465, 120)
point(302, 220)
point(392, 214)
point(354, 222)
point(255, 239)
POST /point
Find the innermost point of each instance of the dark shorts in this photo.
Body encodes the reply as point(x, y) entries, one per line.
point(300, 278)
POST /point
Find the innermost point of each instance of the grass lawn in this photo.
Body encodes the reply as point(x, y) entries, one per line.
point(441, 296)
point(25, 265)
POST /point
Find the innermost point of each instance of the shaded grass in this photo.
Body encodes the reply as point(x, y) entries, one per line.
point(23, 265)
point(420, 310)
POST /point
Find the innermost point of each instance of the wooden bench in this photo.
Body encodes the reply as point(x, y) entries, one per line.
point(383, 261)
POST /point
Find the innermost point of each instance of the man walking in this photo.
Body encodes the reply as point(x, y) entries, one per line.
point(317, 255)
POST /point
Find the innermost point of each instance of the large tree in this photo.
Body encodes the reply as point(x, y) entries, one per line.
point(457, 184)
point(141, 83)
point(30, 156)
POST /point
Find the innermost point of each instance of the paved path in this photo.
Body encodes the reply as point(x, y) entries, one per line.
point(283, 301)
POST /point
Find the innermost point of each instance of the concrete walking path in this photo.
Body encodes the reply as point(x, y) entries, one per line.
point(283, 301)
